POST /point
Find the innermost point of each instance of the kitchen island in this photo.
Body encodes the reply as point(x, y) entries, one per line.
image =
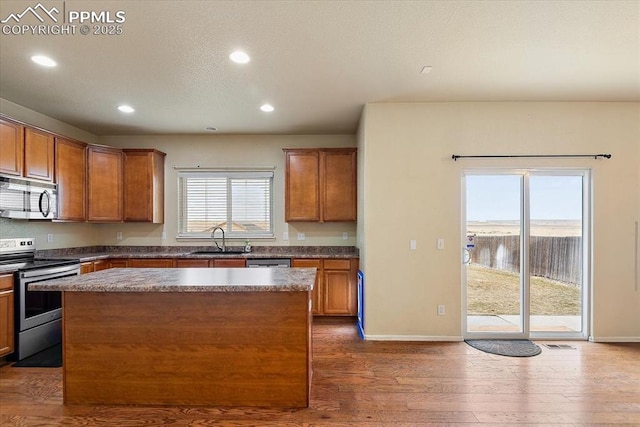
point(187, 336)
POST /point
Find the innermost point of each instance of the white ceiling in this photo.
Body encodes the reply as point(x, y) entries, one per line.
point(317, 62)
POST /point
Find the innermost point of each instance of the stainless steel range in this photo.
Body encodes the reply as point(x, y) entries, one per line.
point(38, 314)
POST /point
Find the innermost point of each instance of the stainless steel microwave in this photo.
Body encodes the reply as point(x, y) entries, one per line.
point(23, 198)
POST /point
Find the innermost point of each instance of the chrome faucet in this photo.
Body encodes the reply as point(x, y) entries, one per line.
point(213, 237)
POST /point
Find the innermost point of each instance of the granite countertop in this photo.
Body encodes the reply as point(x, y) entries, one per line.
point(102, 252)
point(185, 280)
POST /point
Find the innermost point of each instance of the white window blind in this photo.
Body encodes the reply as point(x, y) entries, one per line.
point(239, 202)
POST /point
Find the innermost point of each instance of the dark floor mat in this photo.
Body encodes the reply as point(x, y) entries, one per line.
point(48, 358)
point(512, 348)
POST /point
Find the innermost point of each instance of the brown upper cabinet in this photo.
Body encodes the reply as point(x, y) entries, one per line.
point(320, 184)
point(25, 151)
point(11, 148)
point(38, 154)
point(105, 184)
point(144, 185)
point(71, 177)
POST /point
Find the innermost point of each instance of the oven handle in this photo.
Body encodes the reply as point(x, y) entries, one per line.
point(53, 271)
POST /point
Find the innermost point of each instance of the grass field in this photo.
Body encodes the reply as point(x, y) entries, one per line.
point(492, 292)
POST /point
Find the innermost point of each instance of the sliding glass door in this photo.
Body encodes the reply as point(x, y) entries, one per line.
point(524, 252)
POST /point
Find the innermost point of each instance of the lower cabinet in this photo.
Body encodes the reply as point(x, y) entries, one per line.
point(6, 315)
point(334, 293)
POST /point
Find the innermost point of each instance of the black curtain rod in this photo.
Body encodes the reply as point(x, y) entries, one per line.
point(455, 157)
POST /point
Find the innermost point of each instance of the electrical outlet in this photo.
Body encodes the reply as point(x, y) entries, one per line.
point(285, 236)
point(49, 238)
point(345, 236)
point(164, 235)
point(301, 236)
point(440, 244)
point(441, 310)
point(412, 245)
point(119, 235)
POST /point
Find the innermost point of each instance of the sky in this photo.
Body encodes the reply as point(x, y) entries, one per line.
point(497, 197)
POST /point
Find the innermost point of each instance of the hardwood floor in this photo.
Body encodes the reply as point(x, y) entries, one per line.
point(361, 383)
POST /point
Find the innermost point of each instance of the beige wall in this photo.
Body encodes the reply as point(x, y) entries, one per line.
point(412, 190)
point(221, 151)
point(36, 119)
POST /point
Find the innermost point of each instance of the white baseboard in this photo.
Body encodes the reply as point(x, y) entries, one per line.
point(614, 339)
point(369, 337)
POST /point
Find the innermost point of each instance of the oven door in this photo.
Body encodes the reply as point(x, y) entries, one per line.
point(39, 307)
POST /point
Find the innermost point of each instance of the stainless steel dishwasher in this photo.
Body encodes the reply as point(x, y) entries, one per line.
point(269, 263)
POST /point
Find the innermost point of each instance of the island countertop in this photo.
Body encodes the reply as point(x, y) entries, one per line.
point(185, 280)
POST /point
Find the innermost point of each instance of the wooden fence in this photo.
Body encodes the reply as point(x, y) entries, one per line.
point(556, 258)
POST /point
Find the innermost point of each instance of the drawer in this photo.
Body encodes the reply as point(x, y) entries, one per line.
point(192, 263)
point(337, 264)
point(230, 263)
point(6, 282)
point(306, 263)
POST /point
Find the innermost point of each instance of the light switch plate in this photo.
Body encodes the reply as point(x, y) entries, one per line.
point(412, 245)
point(345, 236)
point(49, 238)
point(440, 244)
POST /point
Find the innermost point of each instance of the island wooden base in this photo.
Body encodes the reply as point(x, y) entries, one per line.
point(222, 349)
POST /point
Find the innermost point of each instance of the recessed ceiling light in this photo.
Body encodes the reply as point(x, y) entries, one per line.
point(126, 109)
point(267, 108)
point(239, 57)
point(426, 69)
point(45, 61)
point(211, 129)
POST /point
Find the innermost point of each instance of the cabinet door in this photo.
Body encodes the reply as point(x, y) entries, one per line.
point(340, 287)
point(144, 185)
point(38, 154)
point(339, 195)
point(71, 177)
point(105, 184)
point(151, 263)
point(338, 295)
point(317, 295)
point(6, 315)
point(11, 148)
point(302, 185)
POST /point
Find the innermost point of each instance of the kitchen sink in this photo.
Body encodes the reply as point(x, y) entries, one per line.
point(230, 250)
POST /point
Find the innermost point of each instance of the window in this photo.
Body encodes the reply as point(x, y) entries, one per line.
point(238, 201)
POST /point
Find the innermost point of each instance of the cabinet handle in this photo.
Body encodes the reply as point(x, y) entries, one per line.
point(6, 292)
